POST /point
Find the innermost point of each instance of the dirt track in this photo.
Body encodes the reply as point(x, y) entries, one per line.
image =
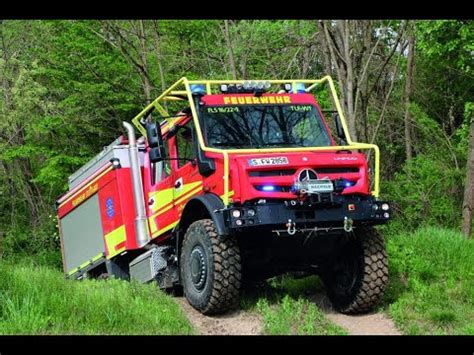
point(235, 323)
point(365, 324)
point(249, 323)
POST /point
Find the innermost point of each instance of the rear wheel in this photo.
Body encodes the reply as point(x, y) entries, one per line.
point(210, 268)
point(356, 277)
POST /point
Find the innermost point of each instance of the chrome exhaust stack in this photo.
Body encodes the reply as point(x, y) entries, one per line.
point(141, 223)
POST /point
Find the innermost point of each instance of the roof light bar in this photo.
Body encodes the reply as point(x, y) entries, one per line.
point(300, 88)
point(198, 89)
point(250, 86)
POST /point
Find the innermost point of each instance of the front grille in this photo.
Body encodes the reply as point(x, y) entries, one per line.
point(340, 170)
point(263, 173)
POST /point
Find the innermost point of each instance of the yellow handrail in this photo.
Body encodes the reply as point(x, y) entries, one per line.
point(168, 95)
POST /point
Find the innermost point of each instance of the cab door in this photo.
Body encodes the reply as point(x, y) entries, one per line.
point(161, 216)
point(187, 180)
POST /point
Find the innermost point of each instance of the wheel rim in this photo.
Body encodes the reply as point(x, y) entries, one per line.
point(198, 267)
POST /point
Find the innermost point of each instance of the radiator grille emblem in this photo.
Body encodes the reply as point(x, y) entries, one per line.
point(307, 175)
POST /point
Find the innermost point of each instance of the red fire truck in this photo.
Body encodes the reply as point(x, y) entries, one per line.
point(243, 183)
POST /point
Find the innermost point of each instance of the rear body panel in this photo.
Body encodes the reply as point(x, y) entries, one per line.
point(96, 217)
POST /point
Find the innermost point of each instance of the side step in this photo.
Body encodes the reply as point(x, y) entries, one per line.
point(155, 264)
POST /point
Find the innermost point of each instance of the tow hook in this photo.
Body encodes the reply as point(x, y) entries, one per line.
point(291, 227)
point(347, 224)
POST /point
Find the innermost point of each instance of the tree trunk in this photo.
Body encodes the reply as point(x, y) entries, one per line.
point(228, 41)
point(159, 56)
point(468, 201)
point(350, 108)
point(408, 92)
point(324, 49)
point(147, 87)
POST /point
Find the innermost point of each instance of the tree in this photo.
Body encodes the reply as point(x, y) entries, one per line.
point(446, 52)
point(350, 48)
point(408, 92)
point(468, 200)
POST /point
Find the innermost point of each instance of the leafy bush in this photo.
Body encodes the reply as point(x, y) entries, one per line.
point(425, 192)
point(40, 243)
point(428, 189)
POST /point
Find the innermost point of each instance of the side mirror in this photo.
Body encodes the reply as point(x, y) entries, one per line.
point(339, 129)
point(155, 142)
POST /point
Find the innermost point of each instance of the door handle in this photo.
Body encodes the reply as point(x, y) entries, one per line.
point(177, 184)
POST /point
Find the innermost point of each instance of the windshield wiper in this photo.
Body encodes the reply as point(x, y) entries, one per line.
point(268, 144)
point(227, 144)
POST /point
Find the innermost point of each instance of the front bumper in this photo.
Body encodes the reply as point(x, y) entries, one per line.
point(333, 212)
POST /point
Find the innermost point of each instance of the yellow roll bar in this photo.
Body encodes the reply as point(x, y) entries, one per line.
point(172, 94)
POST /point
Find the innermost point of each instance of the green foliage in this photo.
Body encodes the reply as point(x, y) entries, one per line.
point(448, 39)
point(444, 62)
point(428, 189)
point(38, 301)
point(425, 192)
point(432, 282)
point(287, 307)
point(19, 243)
point(295, 317)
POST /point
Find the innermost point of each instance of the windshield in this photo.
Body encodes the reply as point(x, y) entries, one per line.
point(257, 126)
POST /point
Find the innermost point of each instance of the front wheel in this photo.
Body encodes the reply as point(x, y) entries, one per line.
point(210, 268)
point(357, 276)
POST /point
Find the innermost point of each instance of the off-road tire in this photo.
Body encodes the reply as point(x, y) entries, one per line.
point(368, 275)
point(218, 291)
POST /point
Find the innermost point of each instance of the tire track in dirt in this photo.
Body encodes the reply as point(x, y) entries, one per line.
point(238, 322)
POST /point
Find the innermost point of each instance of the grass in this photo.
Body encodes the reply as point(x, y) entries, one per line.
point(287, 309)
point(37, 300)
point(432, 282)
point(431, 291)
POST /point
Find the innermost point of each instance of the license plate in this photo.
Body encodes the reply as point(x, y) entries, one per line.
point(316, 186)
point(268, 161)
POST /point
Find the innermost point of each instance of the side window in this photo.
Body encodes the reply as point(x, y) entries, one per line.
point(184, 144)
point(162, 169)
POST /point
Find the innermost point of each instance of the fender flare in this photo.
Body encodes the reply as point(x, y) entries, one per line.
point(212, 203)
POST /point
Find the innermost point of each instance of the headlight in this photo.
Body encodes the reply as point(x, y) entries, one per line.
point(251, 212)
point(236, 213)
point(385, 206)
